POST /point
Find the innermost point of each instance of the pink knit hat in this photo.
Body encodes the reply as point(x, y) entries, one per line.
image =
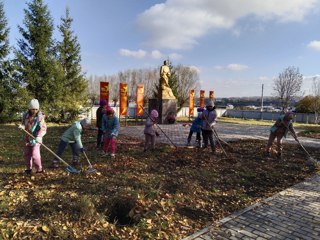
point(109, 110)
point(154, 113)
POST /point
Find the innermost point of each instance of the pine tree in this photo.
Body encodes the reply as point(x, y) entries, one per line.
point(36, 61)
point(6, 84)
point(75, 85)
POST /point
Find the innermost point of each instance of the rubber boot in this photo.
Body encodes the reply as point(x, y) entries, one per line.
point(213, 149)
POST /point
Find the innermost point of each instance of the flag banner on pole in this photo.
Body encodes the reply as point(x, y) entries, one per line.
point(104, 91)
point(202, 92)
point(140, 98)
point(211, 96)
point(123, 99)
point(191, 103)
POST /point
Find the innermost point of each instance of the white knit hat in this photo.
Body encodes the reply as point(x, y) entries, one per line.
point(34, 104)
point(85, 121)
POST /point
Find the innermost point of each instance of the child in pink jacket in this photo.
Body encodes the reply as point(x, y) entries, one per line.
point(34, 123)
point(150, 131)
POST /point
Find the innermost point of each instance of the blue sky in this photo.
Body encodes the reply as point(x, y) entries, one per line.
point(236, 45)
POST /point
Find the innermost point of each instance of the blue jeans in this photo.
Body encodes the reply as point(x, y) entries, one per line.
point(62, 146)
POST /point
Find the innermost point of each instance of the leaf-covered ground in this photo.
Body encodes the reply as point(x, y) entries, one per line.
point(165, 194)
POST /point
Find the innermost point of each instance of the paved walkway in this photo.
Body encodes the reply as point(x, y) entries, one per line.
point(291, 214)
point(227, 131)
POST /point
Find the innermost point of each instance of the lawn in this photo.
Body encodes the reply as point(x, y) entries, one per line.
point(166, 194)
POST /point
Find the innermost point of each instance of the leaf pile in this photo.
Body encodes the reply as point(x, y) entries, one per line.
point(164, 194)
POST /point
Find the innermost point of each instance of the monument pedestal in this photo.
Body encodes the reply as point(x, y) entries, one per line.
point(164, 107)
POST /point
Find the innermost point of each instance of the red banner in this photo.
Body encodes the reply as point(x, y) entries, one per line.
point(104, 91)
point(191, 103)
point(123, 99)
point(211, 96)
point(202, 92)
point(140, 98)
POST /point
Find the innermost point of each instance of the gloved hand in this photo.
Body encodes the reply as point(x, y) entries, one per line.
point(32, 142)
point(82, 150)
point(212, 124)
point(21, 127)
point(39, 139)
point(113, 135)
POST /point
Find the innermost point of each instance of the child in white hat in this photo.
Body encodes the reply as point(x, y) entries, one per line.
point(33, 121)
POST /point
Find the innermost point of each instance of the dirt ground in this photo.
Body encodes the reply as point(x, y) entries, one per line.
point(167, 193)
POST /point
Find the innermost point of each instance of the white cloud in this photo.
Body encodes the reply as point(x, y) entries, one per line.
point(264, 78)
point(156, 54)
point(237, 67)
point(314, 45)
point(135, 54)
point(178, 24)
point(175, 56)
point(218, 67)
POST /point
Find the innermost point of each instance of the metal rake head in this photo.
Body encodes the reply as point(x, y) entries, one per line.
point(90, 170)
point(313, 162)
point(72, 170)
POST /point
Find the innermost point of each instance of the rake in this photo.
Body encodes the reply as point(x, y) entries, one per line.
point(216, 135)
point(90, 169)
point(69, 168)
point(161, 129)
point(311, 160)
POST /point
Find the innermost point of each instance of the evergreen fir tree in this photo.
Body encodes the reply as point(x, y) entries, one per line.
point(36, 62)
point(75, 84)
point(6, 83)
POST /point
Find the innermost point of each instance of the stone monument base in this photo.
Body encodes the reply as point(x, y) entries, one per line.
point(165, 107)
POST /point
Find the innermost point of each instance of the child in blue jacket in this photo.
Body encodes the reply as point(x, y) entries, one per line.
point(72, 136)
point(196, 127)
point(110, 128)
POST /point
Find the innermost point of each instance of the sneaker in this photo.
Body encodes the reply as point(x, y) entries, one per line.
point(104, 154)
point(112, 155)
point(41, 171)
point(28, 171)
point(75, 163)
point(55, 164)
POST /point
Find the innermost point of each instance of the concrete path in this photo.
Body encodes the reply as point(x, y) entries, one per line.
point(291, 214)
point(226, 131)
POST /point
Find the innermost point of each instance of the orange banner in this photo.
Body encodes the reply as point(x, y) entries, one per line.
point(104, 91)
point(123, 99)
point(191, 103)
point(140, 98)
point(202, 98)
point(211, 96)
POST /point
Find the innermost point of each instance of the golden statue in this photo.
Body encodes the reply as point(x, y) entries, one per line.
point(165, 91)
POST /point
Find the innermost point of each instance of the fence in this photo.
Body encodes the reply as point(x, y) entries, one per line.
point(299, 117)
